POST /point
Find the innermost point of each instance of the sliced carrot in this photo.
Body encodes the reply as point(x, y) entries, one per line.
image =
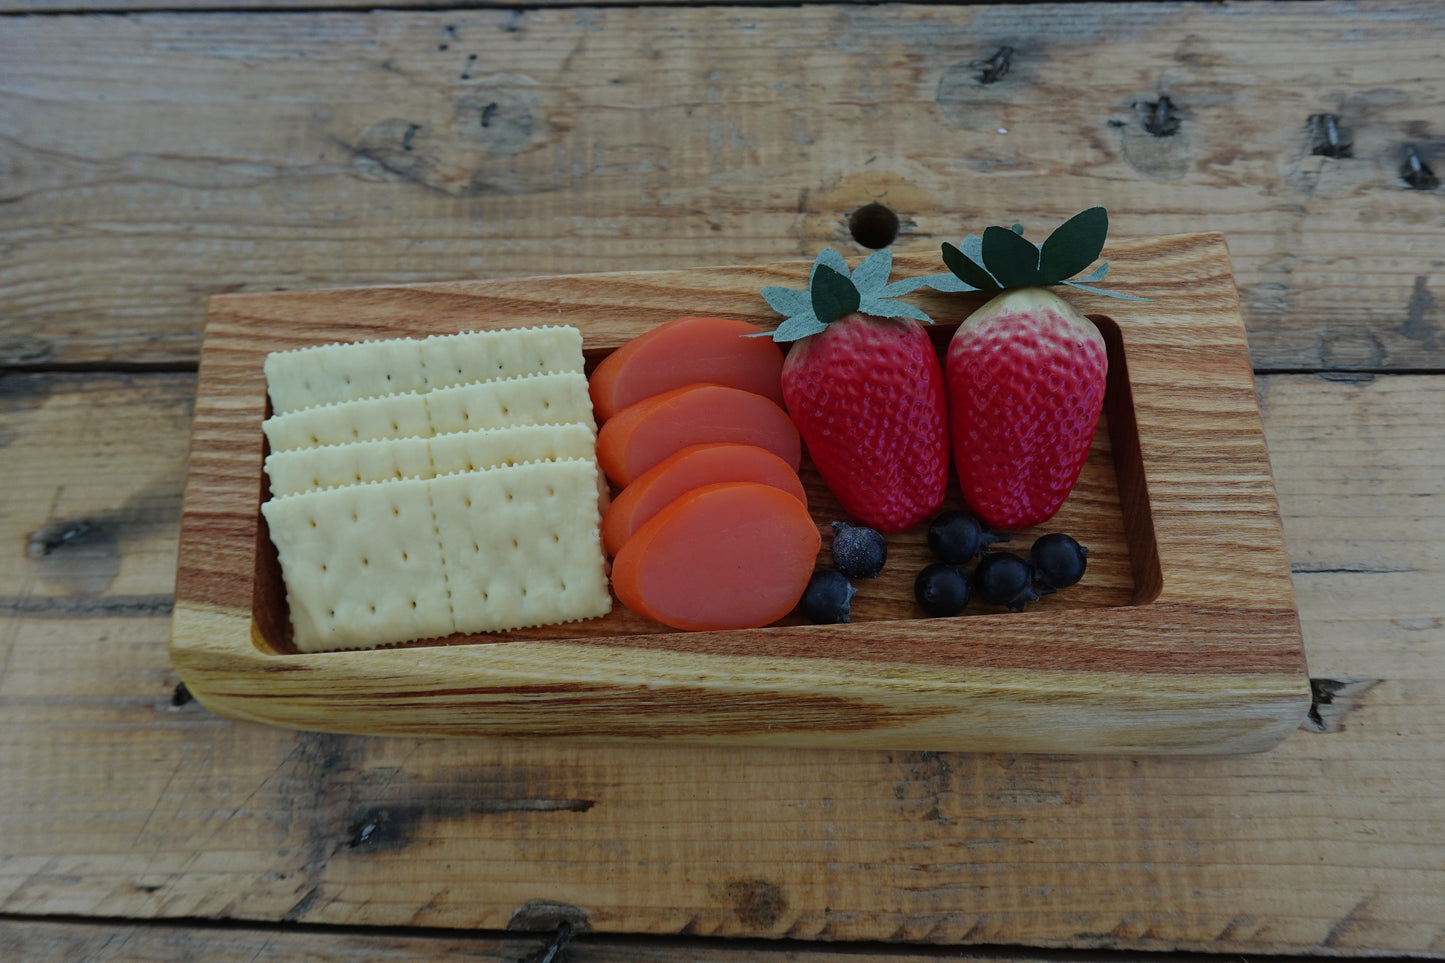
point(736, 555)
point(683, 352)
point(641, 435)
point(682, 471)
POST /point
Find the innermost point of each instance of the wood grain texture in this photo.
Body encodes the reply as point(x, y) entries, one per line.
point(91, 521)
point(149, 161)
point(173, 943)
point(119, 803)
point(1185, 641)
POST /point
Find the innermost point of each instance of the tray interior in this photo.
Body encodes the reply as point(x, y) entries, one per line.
point(1107, 512)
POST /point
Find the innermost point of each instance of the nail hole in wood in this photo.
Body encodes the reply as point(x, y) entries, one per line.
point(1328, 138)
point(1417, 174)
point(873, 226)
point(1161, 117)
point(995, 67)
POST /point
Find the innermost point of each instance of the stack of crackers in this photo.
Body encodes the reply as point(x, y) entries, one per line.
point(421, 488)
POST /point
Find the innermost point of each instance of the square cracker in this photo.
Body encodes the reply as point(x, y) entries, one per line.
point(530, 400)
point(502, 447)
point(362, 565)
point(389, 416)
point(454, 359)
point(360, 462)
point(331, 373)
point(521, 545)
point(355, 463)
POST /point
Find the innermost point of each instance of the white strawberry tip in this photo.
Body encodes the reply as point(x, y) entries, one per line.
point(1016, 301)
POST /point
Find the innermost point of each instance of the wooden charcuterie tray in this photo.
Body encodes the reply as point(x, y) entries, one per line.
point(1182, 638)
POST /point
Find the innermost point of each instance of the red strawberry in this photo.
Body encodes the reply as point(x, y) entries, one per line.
point(1026, 371)
point(1025, 387)
point(864, 386)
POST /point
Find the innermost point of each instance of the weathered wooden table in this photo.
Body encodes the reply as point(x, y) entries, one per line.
point(151, 158)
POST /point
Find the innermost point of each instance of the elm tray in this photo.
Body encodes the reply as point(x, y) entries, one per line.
point(1182, 638)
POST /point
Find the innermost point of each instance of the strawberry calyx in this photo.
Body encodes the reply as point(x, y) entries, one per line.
point(834, 292)
point(1003, 258)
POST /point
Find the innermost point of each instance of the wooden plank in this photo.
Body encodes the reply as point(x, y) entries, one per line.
point(152, 160)
point(93, 468)
point(114, 942)
point(1163, 648)
point(119, 803)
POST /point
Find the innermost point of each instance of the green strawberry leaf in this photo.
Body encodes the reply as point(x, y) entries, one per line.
point(1002, 258)
point(889, 308)
point(972, 247)
point(947, 283)
point(829, 258)
point(872, 275)
point(787, 301)
point(1107, 294)
point(1009, 258)
point(797, 327)
point(967, 269)
point(1073, 246)
point(908, 285)
point(834, 295)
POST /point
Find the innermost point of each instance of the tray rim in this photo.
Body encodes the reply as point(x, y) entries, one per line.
point(642, 688)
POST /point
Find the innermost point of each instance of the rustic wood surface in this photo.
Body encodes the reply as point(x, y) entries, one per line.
point(178, 943)
point(134, 806)
point(150, 160)
point(1183, 637)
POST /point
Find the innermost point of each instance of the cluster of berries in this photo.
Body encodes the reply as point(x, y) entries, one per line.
point(858, 552)
point(1002, 578)
point(942, 589)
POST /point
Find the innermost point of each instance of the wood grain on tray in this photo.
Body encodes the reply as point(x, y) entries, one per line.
point(1182, 638)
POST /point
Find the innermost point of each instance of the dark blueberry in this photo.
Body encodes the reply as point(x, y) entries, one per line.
point(1002, 578)
point(1058, 561)
point(827, 598)
point(858, 551)
point(941, 590)
point(955, 537)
